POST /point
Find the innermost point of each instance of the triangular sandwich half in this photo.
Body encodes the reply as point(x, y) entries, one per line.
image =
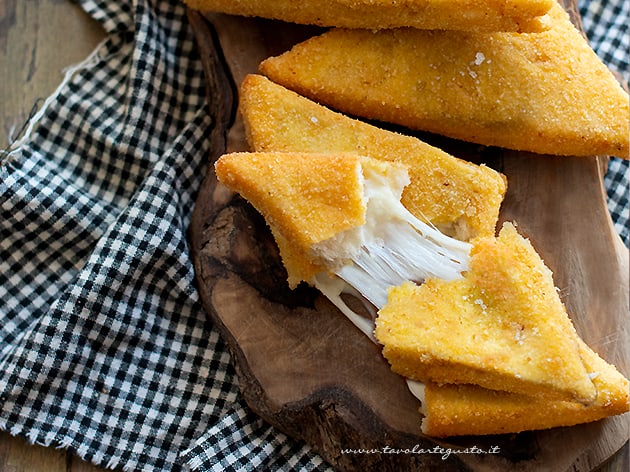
point(502, 326)
point(546, 93)
point(460, 198)
point(454, 410)
point(488, 15)
point(338, 217)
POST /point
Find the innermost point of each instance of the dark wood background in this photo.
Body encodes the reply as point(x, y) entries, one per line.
point(31, 67)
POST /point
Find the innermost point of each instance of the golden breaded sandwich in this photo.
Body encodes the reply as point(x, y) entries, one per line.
point(455, 410)
point(473, 15)
point(460, 198)
point(502, 326)
point(546, 93)
point(331, 215)
point(495, 321)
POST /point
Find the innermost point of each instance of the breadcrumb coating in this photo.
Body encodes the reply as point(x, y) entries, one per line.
point(308, 197)
point(546, 93)
point(502, 326)
point(305, 198)
point(489, 15)
point(332, 213)
point(460, 198)
point(453, 410)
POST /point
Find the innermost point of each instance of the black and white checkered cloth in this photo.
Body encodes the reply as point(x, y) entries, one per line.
point(607, 25)
point(105, 349)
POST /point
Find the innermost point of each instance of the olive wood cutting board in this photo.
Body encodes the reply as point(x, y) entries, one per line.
point(308, 371)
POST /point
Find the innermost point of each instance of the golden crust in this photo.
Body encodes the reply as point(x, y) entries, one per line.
point(546, 92)
point(502, 327)
point(489, 15)
point(460, 198)
point(308, 198)
point(305, 198)
point(452, 410)
point(299, 263)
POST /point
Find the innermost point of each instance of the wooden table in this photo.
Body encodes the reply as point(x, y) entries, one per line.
point(31, 68)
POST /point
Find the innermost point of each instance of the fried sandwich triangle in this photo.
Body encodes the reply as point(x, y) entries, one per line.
point(546, 93)
point(459, 198)
point(474, 15)
point(513, 337)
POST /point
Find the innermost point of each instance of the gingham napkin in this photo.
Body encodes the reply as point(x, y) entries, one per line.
point(104, 347)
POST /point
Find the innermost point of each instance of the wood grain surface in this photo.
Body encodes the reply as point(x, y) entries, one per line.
point(306, 370)
point(31, 67)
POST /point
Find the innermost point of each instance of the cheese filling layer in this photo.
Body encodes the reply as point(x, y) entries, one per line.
point(365, 267)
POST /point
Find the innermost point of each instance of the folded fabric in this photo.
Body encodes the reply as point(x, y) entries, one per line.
point(105, 349)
